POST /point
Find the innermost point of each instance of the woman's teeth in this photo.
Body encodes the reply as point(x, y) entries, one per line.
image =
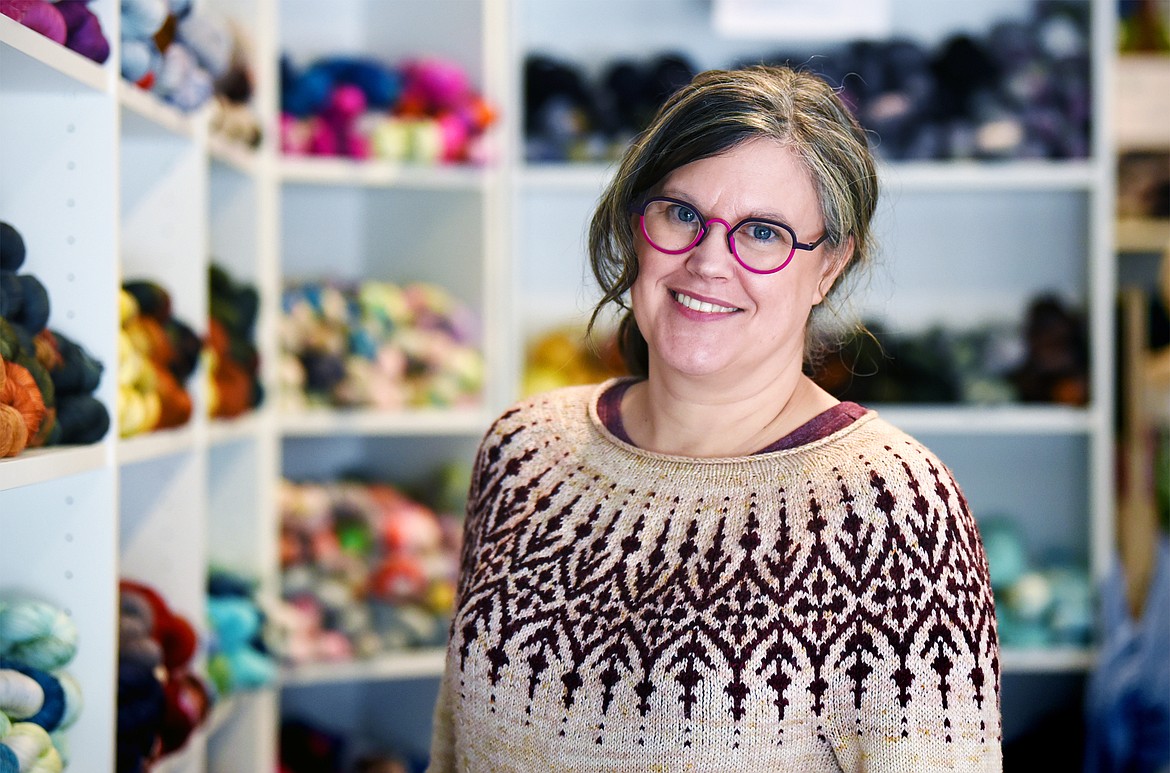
point(703, 306)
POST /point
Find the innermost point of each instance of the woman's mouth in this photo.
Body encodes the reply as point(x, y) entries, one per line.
point(701, 306)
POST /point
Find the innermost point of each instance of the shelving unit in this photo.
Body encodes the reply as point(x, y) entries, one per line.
point(106, 182)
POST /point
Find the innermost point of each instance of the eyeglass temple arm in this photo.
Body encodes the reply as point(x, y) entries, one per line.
point(814, 245)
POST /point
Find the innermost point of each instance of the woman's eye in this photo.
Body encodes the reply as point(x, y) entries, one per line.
point(684, 214)
point(761, 232)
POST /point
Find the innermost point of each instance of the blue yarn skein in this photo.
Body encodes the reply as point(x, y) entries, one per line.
point(142, 18)
point(12, 249)
point(34, 305)
point(11, 294)
point(8, 761)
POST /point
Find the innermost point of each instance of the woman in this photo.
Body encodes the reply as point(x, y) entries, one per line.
point(715, 565)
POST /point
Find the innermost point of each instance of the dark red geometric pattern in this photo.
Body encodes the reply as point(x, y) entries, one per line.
point(839, 586)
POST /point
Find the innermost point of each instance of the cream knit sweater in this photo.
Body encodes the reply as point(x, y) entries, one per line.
point(821, 608)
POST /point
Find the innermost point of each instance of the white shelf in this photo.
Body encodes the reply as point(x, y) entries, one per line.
point(992, 176)
point(989, 419)
point(946, 176)
point(155, 445)
point(1039, 660)
point(245, 427)
point(39, 51)
point(420, 664)
point(232, 154)
point(381, 174)
point(150, 109)
point(39, 465)
point(328, 423)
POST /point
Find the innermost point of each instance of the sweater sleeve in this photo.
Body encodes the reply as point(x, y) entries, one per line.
point(918, 685)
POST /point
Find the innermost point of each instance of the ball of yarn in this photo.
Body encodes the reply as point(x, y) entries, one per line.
point(143, 18)
point(11, 294)
point(37, 15)
point(13, 431)
point(53, 707)
point(78, 371)
point(19, 390)
point(188, 703)
point(173, 632)
point(12, 249)
point(73, 700)
point(37, 634)
point(32, 748)
point(20, 695)
point(83, 419)
point(34, 309)
point(85, 35)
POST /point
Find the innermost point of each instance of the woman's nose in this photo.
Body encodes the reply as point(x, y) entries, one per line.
point(712, 256)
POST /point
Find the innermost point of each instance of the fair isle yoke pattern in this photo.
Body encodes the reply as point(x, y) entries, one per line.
point(821, 608)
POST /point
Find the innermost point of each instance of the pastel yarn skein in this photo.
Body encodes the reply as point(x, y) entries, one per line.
point(52, 709)
point(21, 696)
point(32, 749)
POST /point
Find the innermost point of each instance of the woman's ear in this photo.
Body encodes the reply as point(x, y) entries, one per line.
point(835, 261)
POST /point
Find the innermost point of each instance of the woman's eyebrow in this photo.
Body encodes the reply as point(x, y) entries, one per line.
point(753, 215)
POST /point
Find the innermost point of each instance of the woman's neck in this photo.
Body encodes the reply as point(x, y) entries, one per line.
point(682, 417)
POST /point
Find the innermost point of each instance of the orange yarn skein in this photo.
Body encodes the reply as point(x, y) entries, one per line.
point(23, 407)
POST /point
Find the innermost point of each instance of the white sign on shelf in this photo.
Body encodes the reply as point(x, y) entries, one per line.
point(803, 19)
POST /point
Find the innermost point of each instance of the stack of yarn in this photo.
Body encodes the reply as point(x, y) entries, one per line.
point(160, 699)
point(47, 380)
point(176, 50)
point(1019, 88)
point(1041, 359)
point(423, 111)
point(378, 345)
point(39, 699)
point(565, 355)
point(231, 346)
point(1037, 604)
point(365, 569)
point(157, 355)
point(237, 658)
point(70, 23)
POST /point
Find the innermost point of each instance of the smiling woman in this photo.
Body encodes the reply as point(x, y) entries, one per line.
point(714, 564)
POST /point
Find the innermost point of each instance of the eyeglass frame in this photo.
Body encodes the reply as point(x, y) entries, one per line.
point(639, 209)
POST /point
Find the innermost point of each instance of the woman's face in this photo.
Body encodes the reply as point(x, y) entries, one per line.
point(701, 312)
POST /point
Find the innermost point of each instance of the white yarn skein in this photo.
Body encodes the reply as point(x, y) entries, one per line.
point(20, 695)
point(30, 743)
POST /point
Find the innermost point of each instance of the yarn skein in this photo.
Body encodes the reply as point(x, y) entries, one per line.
point(18, 391)
point(21, 696)
point(53, 709)
point(33, 749)
point(37, 634)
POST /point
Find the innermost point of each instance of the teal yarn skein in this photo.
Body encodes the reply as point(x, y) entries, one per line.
point(37, 633)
